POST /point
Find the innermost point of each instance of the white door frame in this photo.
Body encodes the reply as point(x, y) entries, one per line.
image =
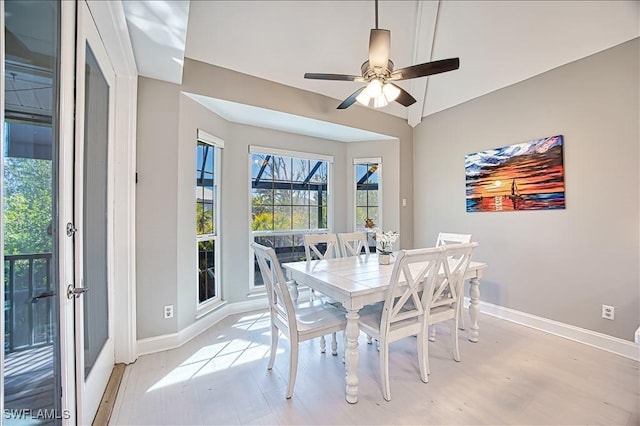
point(111, 24)
point(89, 388)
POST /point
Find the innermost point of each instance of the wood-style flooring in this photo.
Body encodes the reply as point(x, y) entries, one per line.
point(513, 375)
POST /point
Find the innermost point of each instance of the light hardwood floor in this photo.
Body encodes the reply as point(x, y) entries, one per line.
point(514, 375)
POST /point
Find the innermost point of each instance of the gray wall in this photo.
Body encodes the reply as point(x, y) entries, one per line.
point(156, 205)
point(166, 250)
point(564, 264)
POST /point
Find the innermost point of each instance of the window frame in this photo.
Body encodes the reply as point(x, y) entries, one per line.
point(208, 305)
point(256, 149)
point(361, 161)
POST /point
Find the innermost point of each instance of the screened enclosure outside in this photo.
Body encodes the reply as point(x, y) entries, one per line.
point(289, 198)
point(367, 199)
point(207, 207)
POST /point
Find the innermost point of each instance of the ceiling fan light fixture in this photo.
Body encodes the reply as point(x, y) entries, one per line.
point(374, 89)
point(391, 92)
point(363, 98)
point(380, 101)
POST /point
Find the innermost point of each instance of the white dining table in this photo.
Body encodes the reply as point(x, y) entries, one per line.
point(357, 281)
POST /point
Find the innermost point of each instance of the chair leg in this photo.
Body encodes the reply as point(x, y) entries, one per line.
point(422, 342)
point(293, 366)
point(334, 344)
point(274, 346)
point(461, 319)
point(384, 371)
point(426, 357)
point(323, 344)
point(455, 347)
point(432, 333)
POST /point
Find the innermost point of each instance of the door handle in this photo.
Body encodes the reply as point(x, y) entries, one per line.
point(42, 295)
point(75, 291)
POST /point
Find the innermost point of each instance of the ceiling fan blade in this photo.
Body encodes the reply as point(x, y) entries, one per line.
point(338, 77)
point(351, 99)
point(404, 99)
point(429, 68)
point(379, 44)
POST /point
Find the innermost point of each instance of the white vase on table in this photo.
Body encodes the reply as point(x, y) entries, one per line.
point(384, 258)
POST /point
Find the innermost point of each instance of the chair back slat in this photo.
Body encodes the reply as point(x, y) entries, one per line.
point(352, 243)
point(415, 269)
point(447, 290)
point(280, 302)
point(446, 238)
point(312, 242)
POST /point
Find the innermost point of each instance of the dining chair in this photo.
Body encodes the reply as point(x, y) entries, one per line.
point(300, 323)
point(313, 246)
point(402, 314)
point(442, 300)
point(352, 243)
point(446, 238)
point(322, 246)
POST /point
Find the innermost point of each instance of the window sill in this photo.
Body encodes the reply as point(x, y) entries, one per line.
point(209, 307)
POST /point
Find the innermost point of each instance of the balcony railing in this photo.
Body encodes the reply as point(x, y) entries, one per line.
point(28, 295)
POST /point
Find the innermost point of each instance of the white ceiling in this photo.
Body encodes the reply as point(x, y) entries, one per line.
point(499, 43)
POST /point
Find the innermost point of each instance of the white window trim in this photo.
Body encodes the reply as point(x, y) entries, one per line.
point(255, 149)
point(202, 308)
point(366, 160)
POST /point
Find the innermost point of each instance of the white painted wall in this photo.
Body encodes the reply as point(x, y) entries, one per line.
point(563, 264)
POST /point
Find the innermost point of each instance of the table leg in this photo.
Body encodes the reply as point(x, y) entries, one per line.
point(351, 356)
point(474, 296)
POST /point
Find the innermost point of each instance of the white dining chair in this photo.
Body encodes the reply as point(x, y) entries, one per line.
point(446, 238)
point(322, 246)
point(441, 302)
point(352, 243)
point(300, 323)
point(313, 246)
point(402, 314)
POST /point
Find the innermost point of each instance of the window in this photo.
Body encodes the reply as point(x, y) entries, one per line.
point(289, 198)
point(368, 211)
point(208, 155)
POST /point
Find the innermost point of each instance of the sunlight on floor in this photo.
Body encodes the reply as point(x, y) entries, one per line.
point(229, 352)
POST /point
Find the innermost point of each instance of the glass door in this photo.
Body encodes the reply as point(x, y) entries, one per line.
point(92, 218)
point(31, 352)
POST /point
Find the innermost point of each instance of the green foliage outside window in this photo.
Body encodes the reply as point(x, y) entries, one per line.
point(27, 206)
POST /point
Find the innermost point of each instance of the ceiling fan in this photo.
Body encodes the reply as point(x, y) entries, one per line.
point(379, 75)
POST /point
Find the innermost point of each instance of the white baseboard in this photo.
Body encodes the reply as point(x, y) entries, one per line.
point(174, 340)
point(618, 346)
point(607, 343)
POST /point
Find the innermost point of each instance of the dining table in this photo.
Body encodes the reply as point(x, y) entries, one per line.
point(357, 281)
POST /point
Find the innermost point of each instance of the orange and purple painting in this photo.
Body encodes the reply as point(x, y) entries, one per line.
point(525, 176)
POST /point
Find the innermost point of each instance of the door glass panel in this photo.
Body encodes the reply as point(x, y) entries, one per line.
point(31, 351)
point(96, 303)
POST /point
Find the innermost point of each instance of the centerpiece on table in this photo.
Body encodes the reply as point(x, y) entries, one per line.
point(384, 245)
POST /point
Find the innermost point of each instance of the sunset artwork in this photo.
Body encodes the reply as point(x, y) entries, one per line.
point(525, 176)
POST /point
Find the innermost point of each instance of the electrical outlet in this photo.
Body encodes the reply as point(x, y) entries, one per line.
point(608, 312)
point(168, 311)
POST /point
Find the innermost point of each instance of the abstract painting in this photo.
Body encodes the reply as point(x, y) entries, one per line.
point(525, 176)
